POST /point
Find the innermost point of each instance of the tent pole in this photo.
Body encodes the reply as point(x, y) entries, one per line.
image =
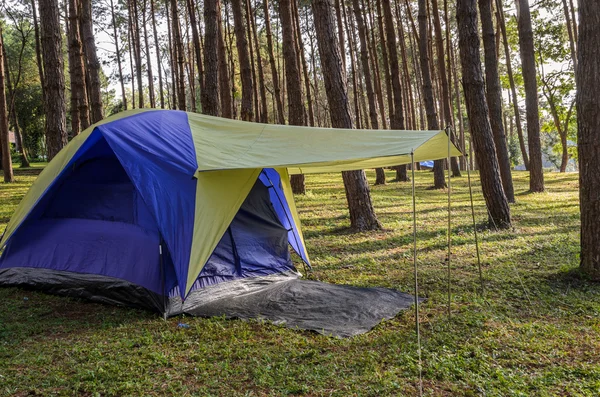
point(412, 157)
point(448, 131)
point(474, 226)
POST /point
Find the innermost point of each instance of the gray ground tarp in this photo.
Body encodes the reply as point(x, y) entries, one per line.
point(336, 310)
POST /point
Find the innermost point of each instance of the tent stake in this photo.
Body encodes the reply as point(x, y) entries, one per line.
point(474, 226)
point(412, 156)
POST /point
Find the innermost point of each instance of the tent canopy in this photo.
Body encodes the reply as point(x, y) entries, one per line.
point(194, 171)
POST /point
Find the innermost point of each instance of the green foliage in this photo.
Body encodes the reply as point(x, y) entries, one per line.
point(534, 332)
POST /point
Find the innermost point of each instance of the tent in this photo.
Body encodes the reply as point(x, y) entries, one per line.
point(148, 207)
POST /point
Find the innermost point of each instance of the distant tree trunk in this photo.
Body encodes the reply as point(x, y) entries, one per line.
point(397, 117)
point(180, 57)
point(79, 98)
point(244, 59)
point(137, 50)
point(130, 44)
point(4, 141)
point(588, 135)
point(38, 50)
point(292, 79)
point(570, 33)
point(158, 51)
point(11, 102)
point(362, 214)
point(225, 90)
point(385, 61)
point(191, 8)
point(439, 181)
point(148, 61)
point(513, 89)
point(210, 95)
point(172, 58)
point(439, 42)
point(264, 112)
point(494, 97)
point(93, 64)
point(309, 99)
point(371, 45)
point(274, 73)
point(51, 44)
point(353, 68)
point(118, 52)
point(536, 174)
point(364, 57)
point(477, 110)
point(247, 14)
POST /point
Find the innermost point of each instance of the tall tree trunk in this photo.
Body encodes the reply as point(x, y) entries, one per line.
point(385, 60)
point(570, 33)
point(340, 28)
point(494, 97)
point(536, 174)
point(172, 56)
point(247, 14)
point(93, 64)
point(130, 46)
point(352, 46)
point(274, 73)
point(55, 108)
point(362, 214)
point(180, 57)
point(477, 110)
point(148, 61)
point(4, 141)
point(158, 51)
point(118, 54)
point(445, 94)
point(191, 7)
point(292, 79)
point(79, 104)
point(210, 95)
point(588, 135)
point(264, 113)
point(137, 53)
point(244, 59)
point(375, 65)
point(513, 89)
point(439, 181)
point(364, 57)
point(38, 50)
point(11, 102)
point(397, 117)
point(309, 99)
point(225, 90)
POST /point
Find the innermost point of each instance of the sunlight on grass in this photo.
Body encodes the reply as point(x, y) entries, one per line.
point(534, 332)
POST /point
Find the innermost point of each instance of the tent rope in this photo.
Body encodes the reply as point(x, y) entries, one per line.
point(474, 225)
point(418, 331)
point(448, 132)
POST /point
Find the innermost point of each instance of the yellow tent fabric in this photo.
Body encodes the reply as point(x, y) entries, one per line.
point(232, 144)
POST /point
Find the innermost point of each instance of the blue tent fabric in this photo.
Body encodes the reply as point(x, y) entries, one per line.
point(157, 152)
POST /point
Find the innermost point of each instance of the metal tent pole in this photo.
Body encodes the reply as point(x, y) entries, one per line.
point(417, 329)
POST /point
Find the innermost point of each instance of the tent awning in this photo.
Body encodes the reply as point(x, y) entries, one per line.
point(231, 144)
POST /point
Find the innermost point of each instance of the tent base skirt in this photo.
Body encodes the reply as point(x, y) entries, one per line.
point(334, 310)
point(283, 298)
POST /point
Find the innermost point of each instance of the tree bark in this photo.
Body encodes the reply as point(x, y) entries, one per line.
point(225, 90)
point(536, 174)
point(588, 135)
point(137, 51)
point(244, 59)
point(180, 58)
point(439, 181)
point(309, 99)
point(54, 78)
point(4, 141)
point(191, 7)
point(148, 61)
point(79, 102)
point(477, 110)
point(362, 214)
point(292, 79)
point(38, 50)
point(118, 53)
point(494, 97)
point(264, 113)
point(513, 89)
point(274, 73)
point(210, 95)
point(93, 64)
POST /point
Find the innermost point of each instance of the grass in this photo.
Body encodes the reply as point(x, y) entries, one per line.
point(536, 331)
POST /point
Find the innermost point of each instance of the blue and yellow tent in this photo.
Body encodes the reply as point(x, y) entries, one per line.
point(149, 204)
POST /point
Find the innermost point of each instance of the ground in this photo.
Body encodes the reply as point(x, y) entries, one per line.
point(535, 330)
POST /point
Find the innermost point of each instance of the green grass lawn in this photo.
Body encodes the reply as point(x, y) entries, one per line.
point(535, 331)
